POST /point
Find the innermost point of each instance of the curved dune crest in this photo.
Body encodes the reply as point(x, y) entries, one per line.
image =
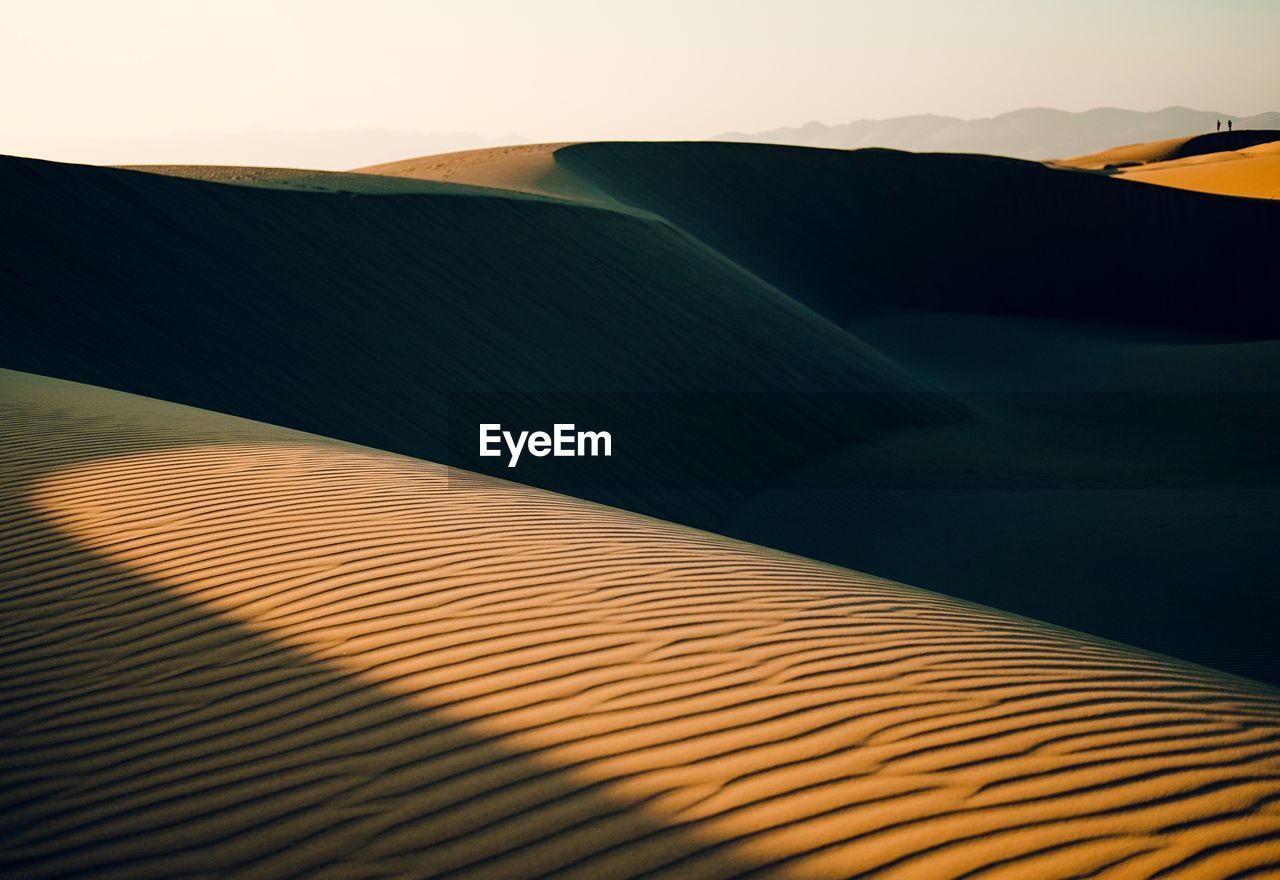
point(1242, 163)
point(357, 317)
point(846, 232)
point(1171, 149)
point(231, 647)
point(1252, 173)
point(308, 180)
point(527, 168)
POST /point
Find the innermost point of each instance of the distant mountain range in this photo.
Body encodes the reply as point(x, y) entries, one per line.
point(1036, 133)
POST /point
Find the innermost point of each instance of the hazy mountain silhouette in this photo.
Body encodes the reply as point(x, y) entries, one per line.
point(1036, 133)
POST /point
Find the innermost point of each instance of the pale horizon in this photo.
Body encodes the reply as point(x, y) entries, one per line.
point(95, 81)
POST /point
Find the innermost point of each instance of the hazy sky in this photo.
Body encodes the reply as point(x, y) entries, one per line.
point(565, 69)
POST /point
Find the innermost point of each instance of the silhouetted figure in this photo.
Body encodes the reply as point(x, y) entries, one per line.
point(1219, 125)
point(1228, 125)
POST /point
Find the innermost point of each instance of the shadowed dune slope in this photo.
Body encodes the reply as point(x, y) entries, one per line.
point(230, 649)
point(852, 232)
point(353, 317)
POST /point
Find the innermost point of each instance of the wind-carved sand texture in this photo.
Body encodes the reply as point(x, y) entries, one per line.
point(235, 650)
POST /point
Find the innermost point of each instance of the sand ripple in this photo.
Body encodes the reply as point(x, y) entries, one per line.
point(231, 649)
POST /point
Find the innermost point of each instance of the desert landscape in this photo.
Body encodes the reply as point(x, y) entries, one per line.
point(924, 405)
point(929, 524)
point(350, 662)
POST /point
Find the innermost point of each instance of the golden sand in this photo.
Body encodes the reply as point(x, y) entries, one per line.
point(234, 647)
point(1244, 163)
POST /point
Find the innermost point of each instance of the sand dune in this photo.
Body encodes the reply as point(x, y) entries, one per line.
point(1242, 163)
point(306, 180)
point(852, 233)
point(355, 315)
point(981, 274)
point(844, 232)
point(1172, 149)
point(234, 649)
point(529, 168)
point(1253, 173)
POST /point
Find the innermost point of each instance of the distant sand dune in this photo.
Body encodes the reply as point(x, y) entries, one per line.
point(226, 647)
point(856, 233)
point(530, 168)
point(1253, 173)
point(304, 180)
point(844, 231)
point(1241, 163)
point(1172, 149)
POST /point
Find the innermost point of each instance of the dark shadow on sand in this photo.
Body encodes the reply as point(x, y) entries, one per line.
point(148, 736)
